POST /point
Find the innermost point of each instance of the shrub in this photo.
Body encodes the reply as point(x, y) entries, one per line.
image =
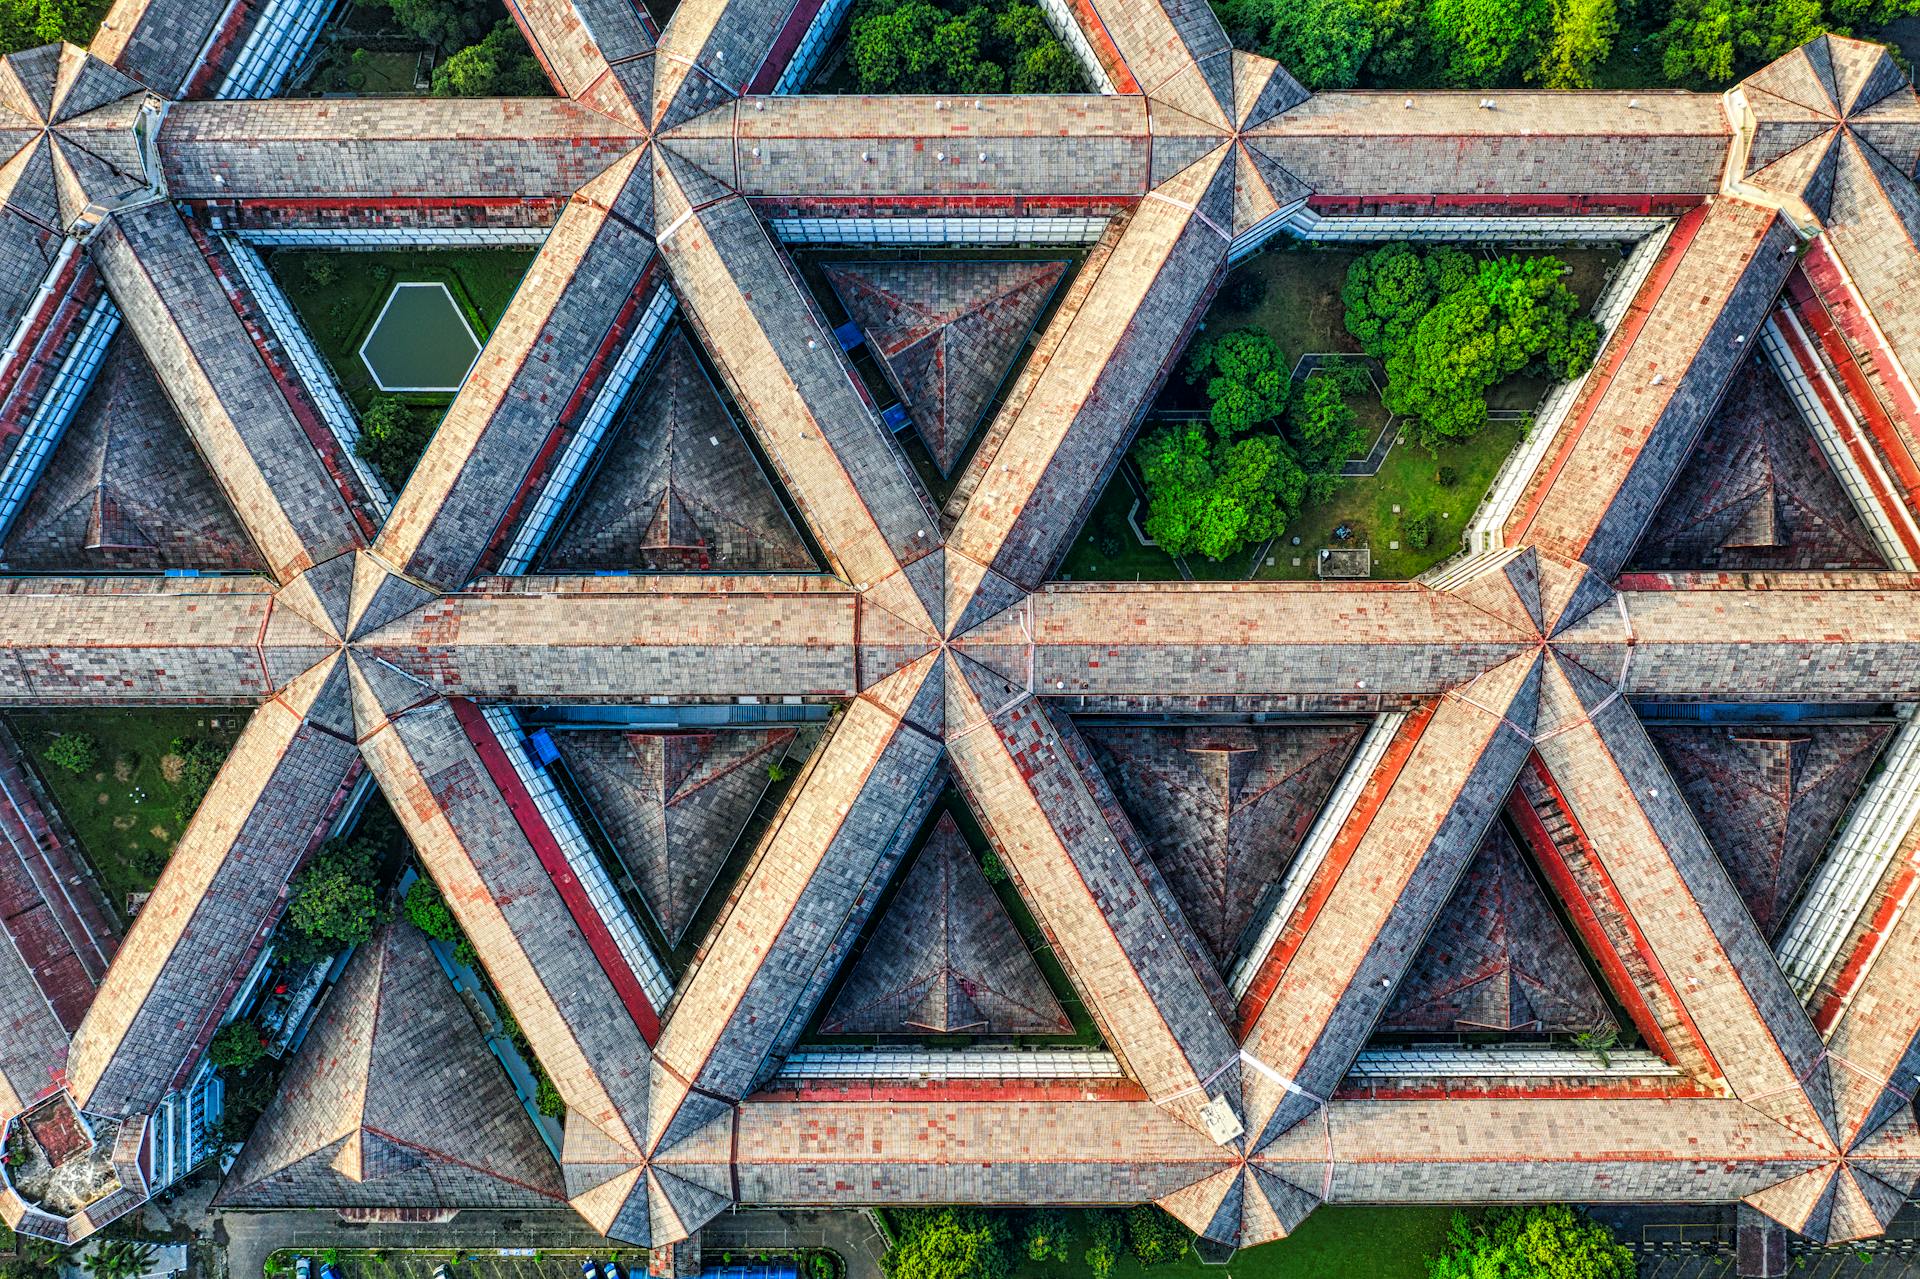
point(465, 955)
point(1048, 1237)
point(991, 868)
point(1104, 1234)
point(548, 1100)
point(1446, 477)
point(1155, 1237)
point(1542, 1242)
point(1112, 533)
point(237, 1047)
point(75, 752)
point(322, 271)
point(1417, 530)
point(392, 437)
point(427, 910)
point(775, 773)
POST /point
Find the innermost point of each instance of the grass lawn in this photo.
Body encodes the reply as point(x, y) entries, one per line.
point(1136, 561)
point(338, 312)
point(122, 812)
point(1333, 1243)
point(1406, 478)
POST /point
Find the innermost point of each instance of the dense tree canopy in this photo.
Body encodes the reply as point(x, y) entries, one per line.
point(335, 901)
point(962, 46)
point(1450, 329)
point(1210, 494)
point(1246, 375)
point(1544, 1242)
point(25, 24)
point(949, 1243)
point(1343, 44)
point(500, 66)
point(393, 435)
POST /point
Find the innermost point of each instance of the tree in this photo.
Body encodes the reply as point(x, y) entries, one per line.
point(200, 762)
point(1583, 32)
point(237, 1047)
point(1389, 289)
point(1049, 1237)
point(449, 24)
point(1104, 1235)
point(119, 1259)
point(392, 437)
point(1481, 42)
point(1155, 1237)
point(25, 24)
point(427, 910)
point(1322, 425)
point(949, 1243)
point(1709, 42)
point(1213, 495)
point(916, 46)
point(1247, 377)
point(1543, 1242)
point(75, 752)
point(498, 67)
point(334, 900)
point(1324, 43)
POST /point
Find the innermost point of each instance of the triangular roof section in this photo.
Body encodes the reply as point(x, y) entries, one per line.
point(945, 958)
point(125, 490)
point(673, 804)
point(1770, 797)
point(1756, 493)
point(947, 334)
point(1498, 961)
point(678, 488)
point(1223, 809)
point(395, 1101)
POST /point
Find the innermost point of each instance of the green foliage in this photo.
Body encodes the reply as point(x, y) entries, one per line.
point(427, 910)
point(1480, 42)
point(547, 1099)
point(1389, 289)
point(237, 1048)
point(25, 24)
point(949, 1243)
point(991, 46)
point(1246, 373)
point(775, 773)
point(991, 868)
point(1324, 43)
point(1582, 37)
point(1211, 494)
point(392, 437)
point(1710, 42)
point(322, 271)
point(1449, 330)
point(1417, 531)
point(1446, 477)
point(200, 764)
point(1322, 425)
point(1155, 1237)
point(499, 66)
point(335, 900)
point(465, 955)
point(75, 752)
point(449, 24)
point(1049, 1237)
point(118, 1259)
point(1543, 1242)
point(1104, 1236)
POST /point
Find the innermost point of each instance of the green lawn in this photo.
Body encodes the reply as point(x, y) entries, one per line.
point(122, 812)
point(1136, 561)
point(1406, 478)
point(338, 312)
point(1333, 1243)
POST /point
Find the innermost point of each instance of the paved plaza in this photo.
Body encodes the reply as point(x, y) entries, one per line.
point(815, 847)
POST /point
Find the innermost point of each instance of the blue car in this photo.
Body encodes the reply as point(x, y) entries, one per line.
point(327, 1271)
point(590, 1270)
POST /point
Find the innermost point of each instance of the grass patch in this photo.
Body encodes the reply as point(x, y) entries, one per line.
point(1086, 562)
point(122, 811)
point(1333, 1243)
point(338, 295)
point(1406, 478)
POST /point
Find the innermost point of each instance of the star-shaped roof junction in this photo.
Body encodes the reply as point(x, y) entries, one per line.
point(1497, 702)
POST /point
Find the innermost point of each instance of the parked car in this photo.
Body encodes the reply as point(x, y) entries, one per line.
point(303, 1268)
point(443, 1271)
point(327, 1271)
point(590, 1269)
